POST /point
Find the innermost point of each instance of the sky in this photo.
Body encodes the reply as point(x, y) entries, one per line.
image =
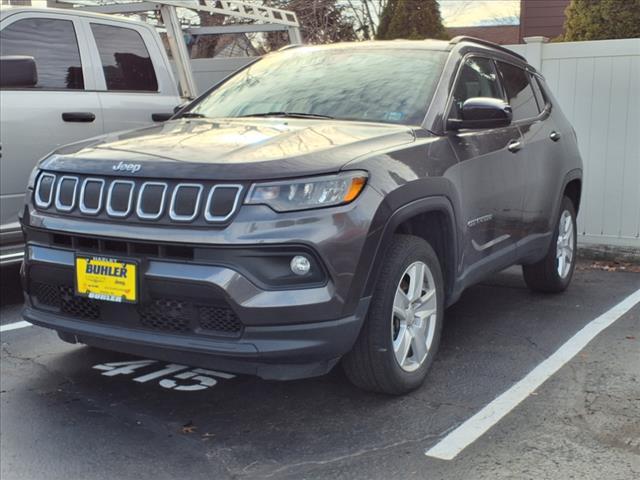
point(464, 13)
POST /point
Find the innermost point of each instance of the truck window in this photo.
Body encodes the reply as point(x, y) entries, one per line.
point(53, 45)
point(519, 91)
point(125, 59)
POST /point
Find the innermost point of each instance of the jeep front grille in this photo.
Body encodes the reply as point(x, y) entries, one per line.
point(133, 200)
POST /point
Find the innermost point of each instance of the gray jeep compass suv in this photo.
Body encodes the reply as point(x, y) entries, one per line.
point(324, 204)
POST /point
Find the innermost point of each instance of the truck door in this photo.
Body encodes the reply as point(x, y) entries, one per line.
point(135, 84)
point(62, 107)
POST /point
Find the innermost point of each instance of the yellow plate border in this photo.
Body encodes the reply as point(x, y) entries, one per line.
point(114, 259)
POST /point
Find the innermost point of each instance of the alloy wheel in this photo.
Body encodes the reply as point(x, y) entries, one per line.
point(565, 245)
point(413, 321)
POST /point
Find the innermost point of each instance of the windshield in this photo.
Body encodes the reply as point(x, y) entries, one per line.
point(368, 84)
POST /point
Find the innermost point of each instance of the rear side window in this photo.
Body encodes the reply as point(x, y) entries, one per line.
point(519, 92)
point(477, 78)
point(541, 96)
point(53, 45)
point(125, 60)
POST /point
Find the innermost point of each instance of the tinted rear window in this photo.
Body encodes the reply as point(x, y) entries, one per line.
point(519, 92)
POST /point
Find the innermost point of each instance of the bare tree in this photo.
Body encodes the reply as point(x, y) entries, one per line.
point(366, 14)
point(321, 21)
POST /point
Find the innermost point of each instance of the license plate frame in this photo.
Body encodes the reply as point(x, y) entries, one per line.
point(107, 284)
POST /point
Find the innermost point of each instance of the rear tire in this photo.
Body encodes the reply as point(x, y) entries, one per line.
point(400, 336)
point(553, 273)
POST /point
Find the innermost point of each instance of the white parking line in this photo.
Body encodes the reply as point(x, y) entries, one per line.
point(467, 433)
point(14, 326)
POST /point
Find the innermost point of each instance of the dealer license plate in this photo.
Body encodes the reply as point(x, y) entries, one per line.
point(107, 279)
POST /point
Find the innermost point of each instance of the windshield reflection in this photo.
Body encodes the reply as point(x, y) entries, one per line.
point(388, 85)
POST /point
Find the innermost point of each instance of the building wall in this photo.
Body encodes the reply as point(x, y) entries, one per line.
point(542, 18)
point(596, 85)
point(500, 34)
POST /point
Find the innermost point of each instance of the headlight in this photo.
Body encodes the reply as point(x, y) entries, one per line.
point(306, 193)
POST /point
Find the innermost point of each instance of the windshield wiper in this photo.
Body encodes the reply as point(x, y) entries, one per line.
point(287, 114)
point(192, 115)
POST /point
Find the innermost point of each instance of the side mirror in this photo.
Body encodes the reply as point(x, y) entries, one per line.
point(483, 112)
point(18, 71)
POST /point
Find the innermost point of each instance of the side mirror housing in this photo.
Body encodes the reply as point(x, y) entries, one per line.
point(483, 112)
point(18, 71)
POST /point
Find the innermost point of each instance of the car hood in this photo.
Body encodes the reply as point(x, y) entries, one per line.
point(233, 149)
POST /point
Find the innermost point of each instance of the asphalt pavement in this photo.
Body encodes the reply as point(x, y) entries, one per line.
point(63, 418)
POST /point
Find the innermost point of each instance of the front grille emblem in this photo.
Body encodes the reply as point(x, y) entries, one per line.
point(127, 167)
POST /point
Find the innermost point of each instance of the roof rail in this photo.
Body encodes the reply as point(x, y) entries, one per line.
point(486, 43)
point(290, 46)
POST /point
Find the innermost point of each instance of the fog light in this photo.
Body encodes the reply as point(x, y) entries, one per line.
point(300, 265)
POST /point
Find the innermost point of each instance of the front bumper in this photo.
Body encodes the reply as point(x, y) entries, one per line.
point(276, 353)
point(282, 334)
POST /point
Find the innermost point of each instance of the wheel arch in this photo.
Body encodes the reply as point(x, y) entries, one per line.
point(573, 190)
point(430, 218)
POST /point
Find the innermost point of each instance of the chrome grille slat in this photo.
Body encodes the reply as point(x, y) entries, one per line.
point(207, 207)
point(38, 198)
point(120, 213)
point(83, 207)
point(185, 218)
point(209, 203)
point(151, 216)
point(61, 206)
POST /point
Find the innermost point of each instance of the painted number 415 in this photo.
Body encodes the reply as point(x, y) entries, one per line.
point(181, 377)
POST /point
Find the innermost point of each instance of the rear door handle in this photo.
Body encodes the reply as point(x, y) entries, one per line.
point(555, 136)
point(82, 117)
point(514, 146)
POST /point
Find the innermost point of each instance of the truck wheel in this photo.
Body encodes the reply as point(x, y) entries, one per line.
point(401, 333)
point(553, 273)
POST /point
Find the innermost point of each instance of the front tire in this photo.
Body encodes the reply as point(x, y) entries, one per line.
point(401, 333)
point(553, 273)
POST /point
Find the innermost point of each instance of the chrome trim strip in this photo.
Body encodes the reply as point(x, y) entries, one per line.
point(51, 255)
point(490, 243)
point(213, 218)
point(61, 206)
point(150, 216)
point(83, 208)
point(17, 256)
point(37, 197)
point(116, 213)
point(185, 218)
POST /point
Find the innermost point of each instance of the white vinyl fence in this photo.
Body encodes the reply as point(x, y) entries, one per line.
point(597, 84)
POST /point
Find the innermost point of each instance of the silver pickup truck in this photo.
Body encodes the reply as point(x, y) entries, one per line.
point(68, 75)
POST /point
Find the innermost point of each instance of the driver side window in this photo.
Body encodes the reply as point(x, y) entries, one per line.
point(478, 78)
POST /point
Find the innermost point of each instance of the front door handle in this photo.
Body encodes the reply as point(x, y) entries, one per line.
point(555, 136)
point(161, 117)
point(514, 146)
point(82, 117)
